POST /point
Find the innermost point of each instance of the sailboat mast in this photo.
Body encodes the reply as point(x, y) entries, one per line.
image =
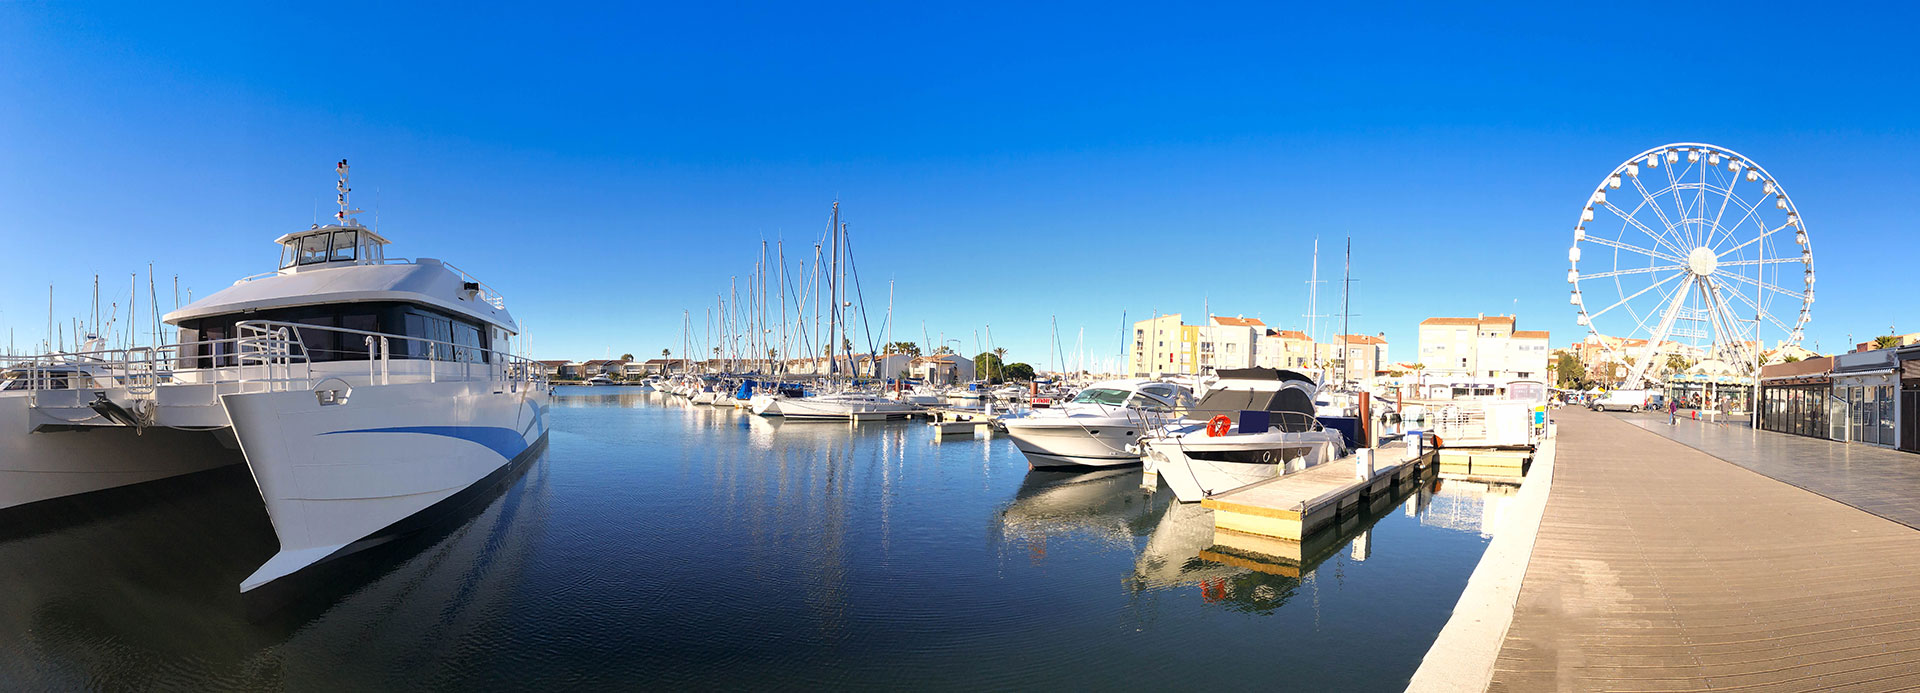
point(833, 295)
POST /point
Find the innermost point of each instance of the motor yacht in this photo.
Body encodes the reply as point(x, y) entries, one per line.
point(367, 395)
point(1251, 425)
point(600, 380)
point(1097, 427)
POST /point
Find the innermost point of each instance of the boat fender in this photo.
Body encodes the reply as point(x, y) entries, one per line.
point(1218, 425)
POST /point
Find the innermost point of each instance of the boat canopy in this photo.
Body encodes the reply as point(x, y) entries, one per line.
point(1261, 374)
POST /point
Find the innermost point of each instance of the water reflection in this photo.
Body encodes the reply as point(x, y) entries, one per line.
point(149, 597)
point(1178, 546)
point(660, 544)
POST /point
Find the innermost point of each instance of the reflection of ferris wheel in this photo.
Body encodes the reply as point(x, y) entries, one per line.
point(1678, 247)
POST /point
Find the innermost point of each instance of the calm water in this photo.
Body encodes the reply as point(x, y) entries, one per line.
point(661, 544)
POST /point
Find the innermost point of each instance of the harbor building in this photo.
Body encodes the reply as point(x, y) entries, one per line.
point(1229, 342)
point(1289, 349)
point(1482, 348)
point(1164, 345)
point(1361, 357)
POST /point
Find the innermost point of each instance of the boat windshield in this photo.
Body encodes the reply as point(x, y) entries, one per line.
point(1102, 396)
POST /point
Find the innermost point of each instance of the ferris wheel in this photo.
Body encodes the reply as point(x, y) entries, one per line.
point(1679, 251)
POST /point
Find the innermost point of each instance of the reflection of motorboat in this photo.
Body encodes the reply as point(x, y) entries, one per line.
point(1097, 427)
point(1172, 554)
point(1101, 503)
point(1269, 427)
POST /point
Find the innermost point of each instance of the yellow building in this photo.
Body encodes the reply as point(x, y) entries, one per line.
point(1162, 345)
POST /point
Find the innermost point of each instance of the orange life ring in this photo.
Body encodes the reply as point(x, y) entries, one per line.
point(1218, 425)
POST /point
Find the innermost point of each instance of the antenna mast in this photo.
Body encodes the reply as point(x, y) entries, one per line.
point(341, 217)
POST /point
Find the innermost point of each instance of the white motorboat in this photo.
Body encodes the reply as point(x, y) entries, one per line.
point(367, 395)
point(1258, 424)
point(920, 395)
point(1098, 427)
point(600, 380)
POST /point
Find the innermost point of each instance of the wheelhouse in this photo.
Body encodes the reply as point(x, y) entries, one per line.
point(333, 245)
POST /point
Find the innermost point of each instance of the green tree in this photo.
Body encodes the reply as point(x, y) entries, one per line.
point(1790, 358)
point(987, 366)
point(1569, 374)
point(1019, 371)
point(1677, 363)
point(626, 357)
point(666, 353)
point(1886, 342)
point(908, 348)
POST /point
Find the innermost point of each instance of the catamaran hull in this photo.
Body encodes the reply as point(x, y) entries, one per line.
point(63, 461)
point(1057, 445)
point(335, 476)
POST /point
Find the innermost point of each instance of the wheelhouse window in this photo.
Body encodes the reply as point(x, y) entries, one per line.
point(439, 336)
point(313, 249)
point(344, 244)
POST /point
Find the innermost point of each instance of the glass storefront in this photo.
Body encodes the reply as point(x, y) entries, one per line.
point(1798, 409)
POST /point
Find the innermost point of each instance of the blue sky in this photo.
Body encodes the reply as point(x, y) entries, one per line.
point(1002, 164)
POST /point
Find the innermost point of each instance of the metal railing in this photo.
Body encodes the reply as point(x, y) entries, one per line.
point(268, 356)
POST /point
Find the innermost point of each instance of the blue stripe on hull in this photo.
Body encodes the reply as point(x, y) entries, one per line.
point(506, 442)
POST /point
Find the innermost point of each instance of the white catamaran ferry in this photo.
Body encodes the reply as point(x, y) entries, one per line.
point(366, 394)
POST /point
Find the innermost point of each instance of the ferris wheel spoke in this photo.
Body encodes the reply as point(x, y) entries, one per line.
point(1654, 205)
point(1763, 261)
point(1657, 238)
point(1627, 246)
point(1757, 310)
point(1635, 295)
point(1757, 239)
point(1747, 354)
point(1766, 286)
point(1636, 270)
point(1660, 334)
point(1743, 220)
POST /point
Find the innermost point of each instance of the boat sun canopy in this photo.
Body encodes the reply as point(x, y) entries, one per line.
point(1260, 374)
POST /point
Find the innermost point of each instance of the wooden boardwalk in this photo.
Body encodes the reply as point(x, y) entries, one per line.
point(1659, 567)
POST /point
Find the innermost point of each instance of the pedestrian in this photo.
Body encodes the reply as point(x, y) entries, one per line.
point(1673, 412)
point(1726, 410)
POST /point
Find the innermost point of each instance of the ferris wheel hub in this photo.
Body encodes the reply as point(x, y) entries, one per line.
point(1702, 261)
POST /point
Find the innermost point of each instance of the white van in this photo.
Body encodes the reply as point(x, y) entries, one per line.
point(1628, 400)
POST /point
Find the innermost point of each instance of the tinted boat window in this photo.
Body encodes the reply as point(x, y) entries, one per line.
point(313, 249)
point(343, 246)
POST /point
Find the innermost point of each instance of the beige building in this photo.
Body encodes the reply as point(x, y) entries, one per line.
point(1360, 357)
point(1290, 349)
point(1484, 348)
